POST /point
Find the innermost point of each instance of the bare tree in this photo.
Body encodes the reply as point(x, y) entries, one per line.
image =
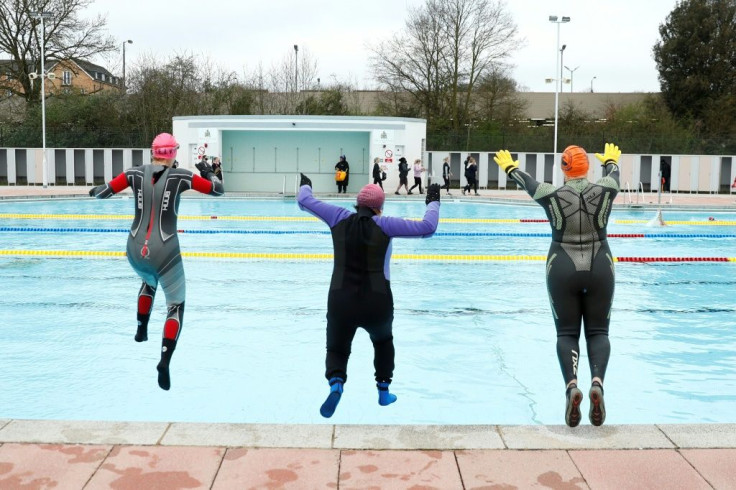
point(447, 46)
point(66, 36)
point(288, 79)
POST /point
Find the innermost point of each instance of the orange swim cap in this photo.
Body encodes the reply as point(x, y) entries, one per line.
point(574, 162)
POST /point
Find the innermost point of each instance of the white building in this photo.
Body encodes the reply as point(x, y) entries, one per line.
point(267, 153)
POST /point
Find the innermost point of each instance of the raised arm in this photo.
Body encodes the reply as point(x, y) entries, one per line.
point(328, 213)
point(405, 228)
point(511, 167)
point(609, 162)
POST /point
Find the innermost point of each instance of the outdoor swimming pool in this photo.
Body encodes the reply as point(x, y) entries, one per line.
point(474, 337)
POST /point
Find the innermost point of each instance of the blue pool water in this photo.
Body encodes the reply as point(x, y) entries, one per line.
point(475, 341)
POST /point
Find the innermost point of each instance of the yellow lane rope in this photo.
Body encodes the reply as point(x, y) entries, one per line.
point(329, 256)
point(269, 256)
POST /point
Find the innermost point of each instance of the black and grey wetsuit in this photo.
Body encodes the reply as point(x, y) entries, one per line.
point(580, 267)
point(153, 243)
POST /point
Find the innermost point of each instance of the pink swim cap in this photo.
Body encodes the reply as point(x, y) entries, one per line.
point(372, 196)
point(164, 146)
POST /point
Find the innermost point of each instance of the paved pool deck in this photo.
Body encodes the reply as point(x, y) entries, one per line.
point(60, 455)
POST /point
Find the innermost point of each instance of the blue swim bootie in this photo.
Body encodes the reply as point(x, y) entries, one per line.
point(384, 397)
point(330, 404)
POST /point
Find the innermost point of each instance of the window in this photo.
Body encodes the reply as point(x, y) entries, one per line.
point(66, 77)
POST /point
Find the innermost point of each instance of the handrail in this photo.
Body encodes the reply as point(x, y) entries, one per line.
point(627, 194)
point(640, 188)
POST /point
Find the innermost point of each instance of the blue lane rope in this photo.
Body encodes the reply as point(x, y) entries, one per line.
point(321, 232)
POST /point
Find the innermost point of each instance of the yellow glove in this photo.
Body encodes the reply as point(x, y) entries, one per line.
point(610, 154)
point(504, 160)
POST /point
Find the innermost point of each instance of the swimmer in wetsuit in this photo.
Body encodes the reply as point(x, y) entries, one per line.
point(153, 244)
point(360, 290)
point(580, 268)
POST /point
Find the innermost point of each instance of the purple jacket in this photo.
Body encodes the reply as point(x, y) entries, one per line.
point(392, 227)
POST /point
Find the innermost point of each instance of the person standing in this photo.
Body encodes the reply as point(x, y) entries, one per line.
point(360, 289)
point(418, 170)
point(377, 172)
point(471, 175)
point(403, 174)
point(153, 244)
point(217, 168)
point(580, 266)
point(446, 174)
point(342, 175)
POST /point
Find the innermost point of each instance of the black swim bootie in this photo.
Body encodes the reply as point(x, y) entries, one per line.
point(597, 414)
point(572, 409)
point(167, 350)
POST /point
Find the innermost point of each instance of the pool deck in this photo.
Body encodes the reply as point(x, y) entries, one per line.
point(46, 454)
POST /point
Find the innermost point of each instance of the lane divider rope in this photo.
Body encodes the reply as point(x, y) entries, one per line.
point(329, 256)
point(28, 229)
point(311, 218)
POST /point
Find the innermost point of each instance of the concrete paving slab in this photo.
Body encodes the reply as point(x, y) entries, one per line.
point(82, 432)
point(654, 469)
point(278, 468)
point(389, 470)
point(583, 437)
point(417, 437)
point(151, 467)
point(249, 435)
point(701, 435)
point(4, 422)
point(40, 466)
point(518, 469)
point(717, 466)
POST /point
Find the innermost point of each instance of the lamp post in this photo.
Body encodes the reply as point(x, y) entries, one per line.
point(562, 63)
point(296, 68)
point(126, 42)
point(571, 74)
point(558, 68)
point(591, 84)
point(43, 75)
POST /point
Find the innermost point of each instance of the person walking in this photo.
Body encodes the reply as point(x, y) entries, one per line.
point(377, 172)
point(403, 174)
point(360, 289)
point(418, 170)
point(471, 173)
point(342, 174)
point(580, 266)
point(153, 244)
point(446, 174)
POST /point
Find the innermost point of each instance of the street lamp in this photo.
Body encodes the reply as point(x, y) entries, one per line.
point(126, 42)
point(562, 63)
point(43, 75)
point(571, 74)
point(296, 68)
point(558, 68)
point(591, 84)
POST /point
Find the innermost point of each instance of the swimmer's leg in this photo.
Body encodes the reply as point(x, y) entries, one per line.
point(330, 404)
point(145, 305)
point(172, 329)
point(572, 408)
point(340, 333)
point(383, 361)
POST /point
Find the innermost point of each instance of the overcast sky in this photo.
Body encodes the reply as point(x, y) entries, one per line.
point(610, 40)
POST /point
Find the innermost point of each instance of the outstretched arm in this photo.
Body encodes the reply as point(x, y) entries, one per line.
point(116, 185)
point(329, 213)
point(207, 182)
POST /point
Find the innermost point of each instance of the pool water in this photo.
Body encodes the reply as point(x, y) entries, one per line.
point(475, 341)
